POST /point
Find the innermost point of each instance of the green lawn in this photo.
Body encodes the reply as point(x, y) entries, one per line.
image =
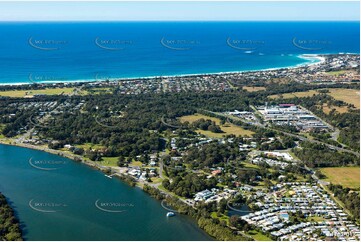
point(258, 236)
point(156, 179)
point(227, 128)
point(345, 176)
point(98, 90)
point(55, 91)
point(136, 163)
point(254, 89)
point(249, 165)
point(336, 73)
point(315, 219)
point(221, 218)
point(31, 92)
point(109, 161)
point(351, 96)
point(87, 146)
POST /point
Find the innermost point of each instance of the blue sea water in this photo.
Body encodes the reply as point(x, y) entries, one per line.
point(68, 51)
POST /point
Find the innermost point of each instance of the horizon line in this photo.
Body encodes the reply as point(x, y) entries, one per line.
point(330, 20)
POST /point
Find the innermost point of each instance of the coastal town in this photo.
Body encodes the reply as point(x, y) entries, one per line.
point(180, 120)
point(317, 73)
point(328, 70)
point(247, 160)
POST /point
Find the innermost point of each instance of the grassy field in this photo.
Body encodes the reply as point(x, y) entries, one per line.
point(109, 161)
point(258, 236)
point(156, 179)
point(327, 109)
point(87, 146)
point(227, 128)
point(195, 117)
point(55, 91)
point(336, 73)
point(249, 165)
point(254, 89)
point(351, 96)
point(294, 94)
point(136, 163)
point(222, 217)
point(345, 176)
point(315, 219)
point(31, 92)
point(97, 90)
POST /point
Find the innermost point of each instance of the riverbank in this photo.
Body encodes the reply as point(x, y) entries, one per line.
point(76, 158)
point(145, 186)
point(65, 154)
point(77, 195)
point(10, 225)
point(217, 231)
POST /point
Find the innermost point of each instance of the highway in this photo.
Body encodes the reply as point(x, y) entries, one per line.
point(302, 138)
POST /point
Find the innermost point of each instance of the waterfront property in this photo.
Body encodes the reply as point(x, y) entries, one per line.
point(72, 192)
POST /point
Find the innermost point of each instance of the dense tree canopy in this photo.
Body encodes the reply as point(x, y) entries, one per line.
point(9, 224)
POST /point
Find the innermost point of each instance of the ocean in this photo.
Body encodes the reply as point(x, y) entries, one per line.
point(87, 51)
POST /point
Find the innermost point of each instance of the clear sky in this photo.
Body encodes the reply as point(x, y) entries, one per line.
point(177, 11)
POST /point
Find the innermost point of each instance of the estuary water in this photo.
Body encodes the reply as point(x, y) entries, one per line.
point(59, 199)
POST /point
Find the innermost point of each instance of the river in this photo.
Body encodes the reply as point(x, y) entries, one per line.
point(58, 199)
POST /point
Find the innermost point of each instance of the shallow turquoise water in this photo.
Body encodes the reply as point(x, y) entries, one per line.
point(65, 51)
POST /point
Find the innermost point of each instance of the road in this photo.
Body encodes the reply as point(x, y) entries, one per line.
point(302, 138)
point(317, 142)
point(161, 169)
point(336, 131)
point(170, 125)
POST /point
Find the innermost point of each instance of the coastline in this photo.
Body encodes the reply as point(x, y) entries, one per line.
point(314, 58)
point(104, 170)
point(80, 159)
point(311, 60)
point(73, 157)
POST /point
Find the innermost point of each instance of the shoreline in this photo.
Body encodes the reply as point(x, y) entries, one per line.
point(311, 60)
point(80, 159)
point(120, 176)
point(7, 211)
point(73, 157)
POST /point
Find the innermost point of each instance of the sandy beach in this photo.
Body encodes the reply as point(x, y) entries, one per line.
point(311, 58)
